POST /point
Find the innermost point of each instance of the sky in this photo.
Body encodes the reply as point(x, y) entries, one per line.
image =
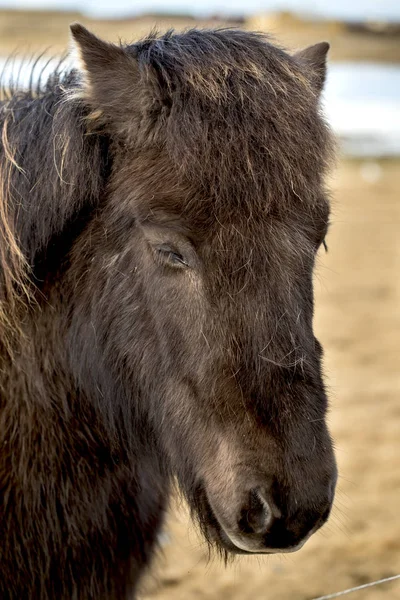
point(348, 9)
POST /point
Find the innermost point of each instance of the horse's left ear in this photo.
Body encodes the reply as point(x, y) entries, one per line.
point(314, 59)
point(109, 71)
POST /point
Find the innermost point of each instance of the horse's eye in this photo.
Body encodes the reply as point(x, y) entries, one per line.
point(169, 254)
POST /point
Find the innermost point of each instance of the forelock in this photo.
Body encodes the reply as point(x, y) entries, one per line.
point(240, 118)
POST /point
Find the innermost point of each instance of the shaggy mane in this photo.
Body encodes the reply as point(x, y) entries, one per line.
point(46, 178)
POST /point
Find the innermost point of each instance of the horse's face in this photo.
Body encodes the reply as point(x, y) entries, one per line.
point(240, 403)
point(229, 368)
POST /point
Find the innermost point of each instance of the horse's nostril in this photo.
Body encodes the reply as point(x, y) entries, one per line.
point(256, 516)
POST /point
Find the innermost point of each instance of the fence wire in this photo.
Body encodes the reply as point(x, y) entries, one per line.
point(356, 589)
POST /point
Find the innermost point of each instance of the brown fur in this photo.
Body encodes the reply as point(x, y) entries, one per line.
point(160, 212)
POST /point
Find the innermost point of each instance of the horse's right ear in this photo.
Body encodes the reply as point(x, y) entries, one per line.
point(314, 59)
point(109, 71)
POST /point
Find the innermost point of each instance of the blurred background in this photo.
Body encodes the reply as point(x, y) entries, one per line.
point(357, 283)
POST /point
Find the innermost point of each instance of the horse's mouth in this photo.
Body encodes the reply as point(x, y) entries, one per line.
point(217, 534)
point(226, 543)
point(223, 540)
point(211, 526)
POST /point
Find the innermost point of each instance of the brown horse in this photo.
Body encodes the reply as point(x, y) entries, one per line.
point(160, 213)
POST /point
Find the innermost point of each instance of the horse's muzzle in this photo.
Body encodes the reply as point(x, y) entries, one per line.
point(262, 527)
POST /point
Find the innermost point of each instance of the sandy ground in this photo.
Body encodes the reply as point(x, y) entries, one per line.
point(358, 321)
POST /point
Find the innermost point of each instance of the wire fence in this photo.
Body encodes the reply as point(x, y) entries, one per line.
point(356, 589)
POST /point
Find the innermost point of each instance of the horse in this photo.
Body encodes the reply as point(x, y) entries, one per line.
point(161, 208)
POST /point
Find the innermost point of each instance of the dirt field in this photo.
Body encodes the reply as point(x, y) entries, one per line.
point(358, 321)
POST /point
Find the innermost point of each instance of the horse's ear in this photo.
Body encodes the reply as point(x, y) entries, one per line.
point(109, 71)
point(314, 59)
